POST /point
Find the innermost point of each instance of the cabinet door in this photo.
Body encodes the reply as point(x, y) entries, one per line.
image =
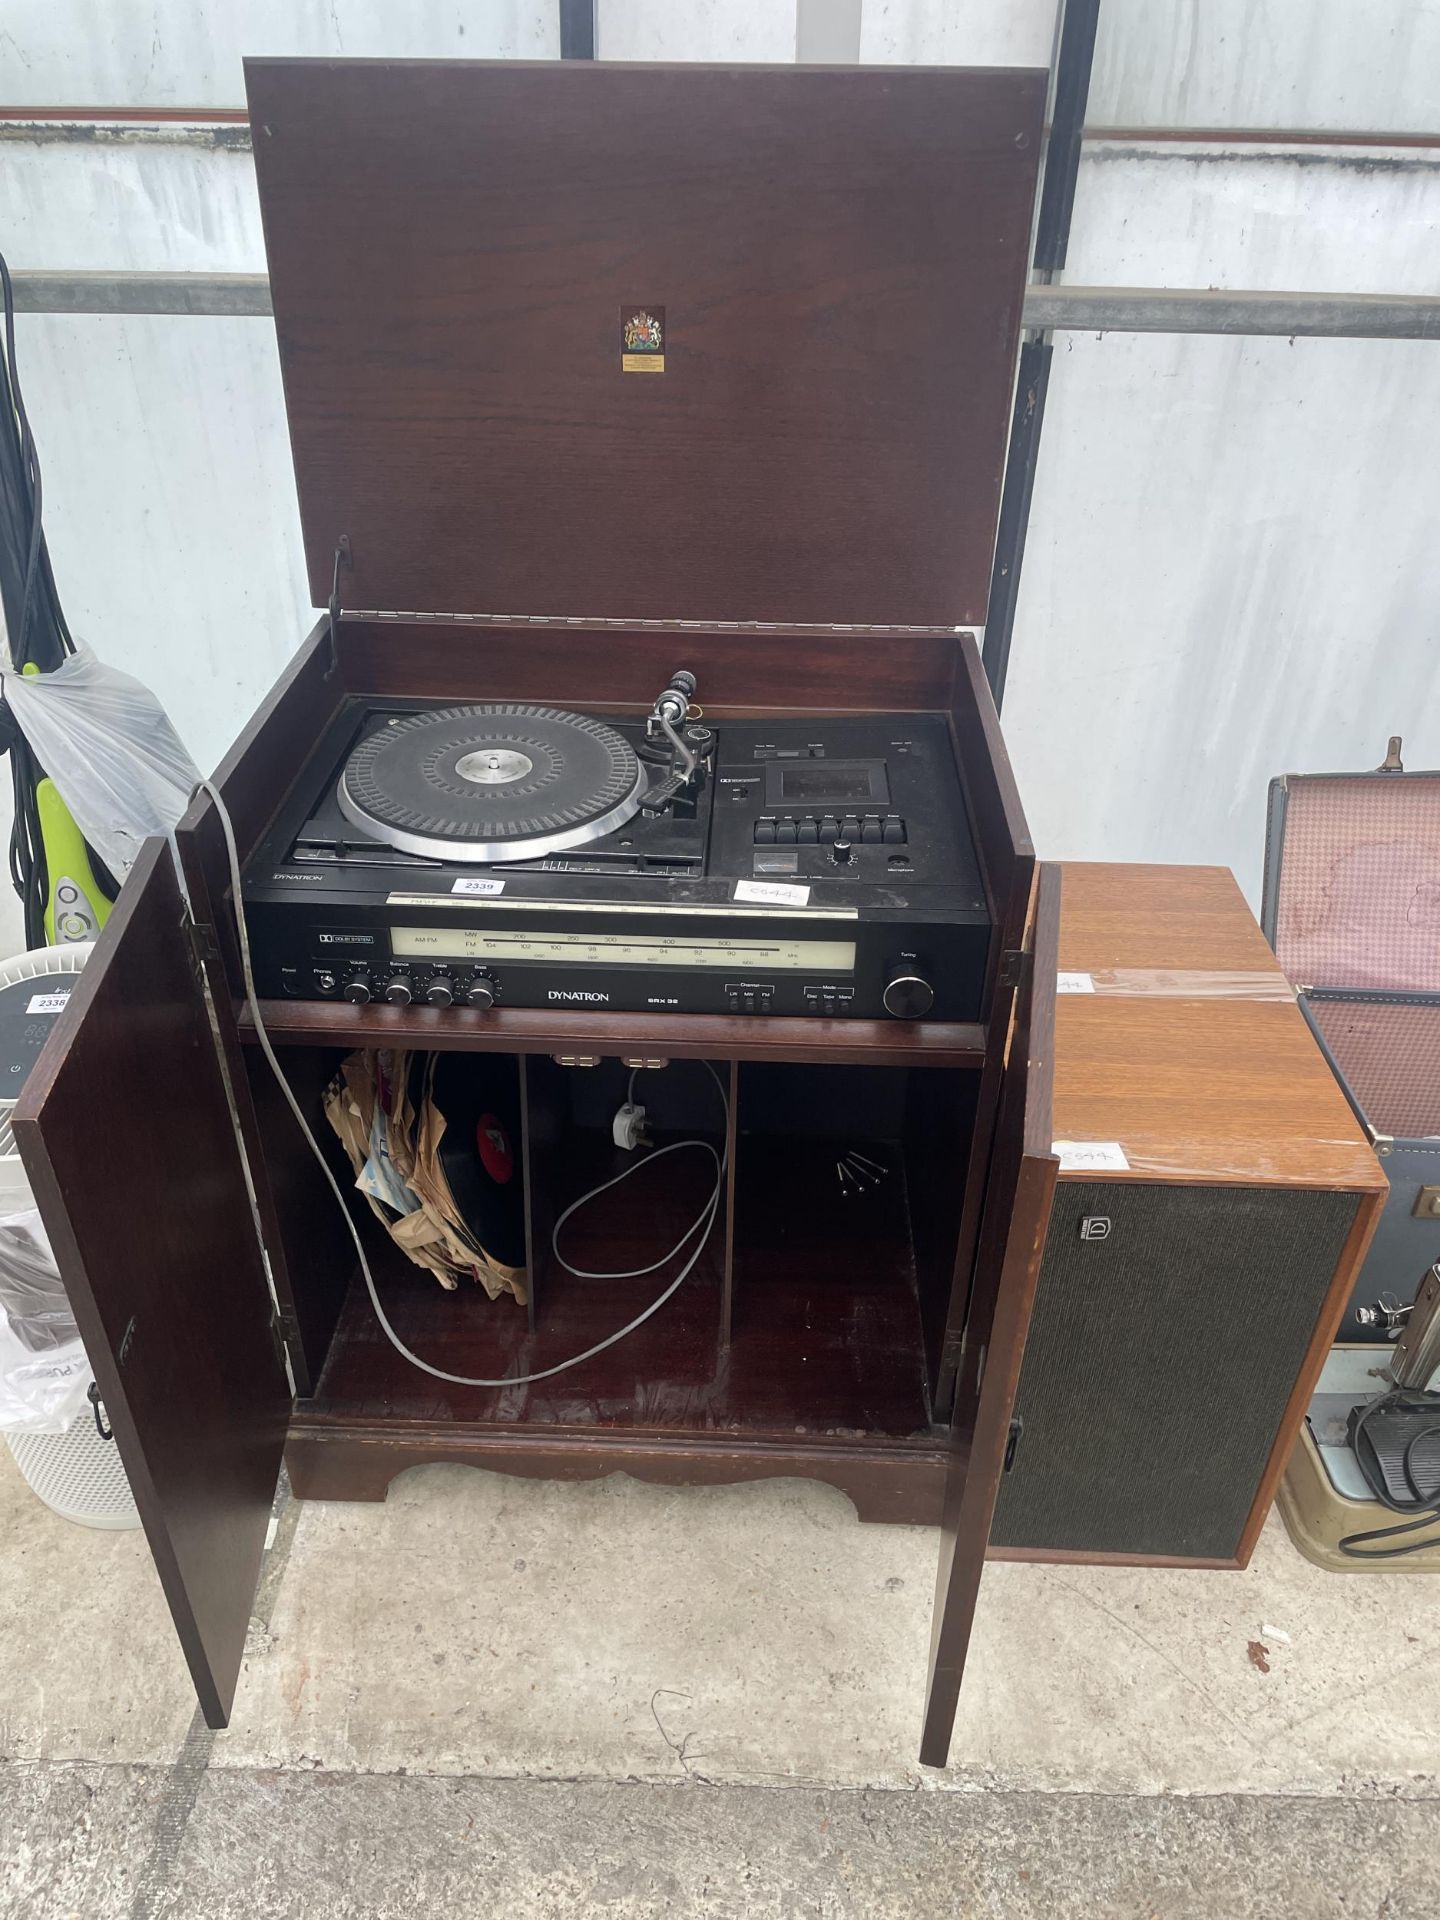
point(126, 1131)
point(1018, 1194)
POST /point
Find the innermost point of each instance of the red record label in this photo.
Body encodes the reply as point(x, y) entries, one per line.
point(492, 1143)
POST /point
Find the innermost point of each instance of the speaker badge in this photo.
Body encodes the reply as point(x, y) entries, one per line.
point(1095, 1226)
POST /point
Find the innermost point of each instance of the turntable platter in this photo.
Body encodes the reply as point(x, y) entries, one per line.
point(490, 783)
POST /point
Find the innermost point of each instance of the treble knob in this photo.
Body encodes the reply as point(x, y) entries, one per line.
point(440, 993)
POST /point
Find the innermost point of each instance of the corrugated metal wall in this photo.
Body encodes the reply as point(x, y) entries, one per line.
point(1233, 567)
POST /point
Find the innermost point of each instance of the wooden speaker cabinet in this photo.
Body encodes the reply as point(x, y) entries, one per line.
point(1186, 1297)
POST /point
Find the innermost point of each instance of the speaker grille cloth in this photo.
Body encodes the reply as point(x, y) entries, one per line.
point(1390, 1057)
point(1358, 901)
point(1159, 1363)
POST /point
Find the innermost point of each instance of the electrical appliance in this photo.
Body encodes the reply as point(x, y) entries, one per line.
point(513, 854)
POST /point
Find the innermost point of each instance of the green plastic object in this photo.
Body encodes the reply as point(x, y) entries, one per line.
point(75, 908)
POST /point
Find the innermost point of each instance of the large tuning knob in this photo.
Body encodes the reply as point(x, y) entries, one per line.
point(907, 996)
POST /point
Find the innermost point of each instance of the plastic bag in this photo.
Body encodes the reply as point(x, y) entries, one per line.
point(44, 1374)
point(108, 745)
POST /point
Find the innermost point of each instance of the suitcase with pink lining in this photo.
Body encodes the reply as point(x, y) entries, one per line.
point(1352, 908)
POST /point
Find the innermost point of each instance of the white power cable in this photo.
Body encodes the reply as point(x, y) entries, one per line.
point(705, 1219)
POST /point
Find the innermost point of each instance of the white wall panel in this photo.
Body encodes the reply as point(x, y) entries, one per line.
point(1210, 217)
point(1232, 572)
point(174, 198)
point(170, 512)
point(722, 30)
point(170, 505)
point(1367, 65)
point(958, 33)
point(158, 53)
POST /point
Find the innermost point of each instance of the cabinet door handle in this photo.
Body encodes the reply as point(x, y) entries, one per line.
point(92, 1394)
point(1017, 1427)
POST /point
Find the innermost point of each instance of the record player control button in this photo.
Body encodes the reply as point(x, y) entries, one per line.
point(440, 992)
point(894, 832)
point(872, 832)
point(481, 993)
point(357, 989)
point(809, 832)
point(397, 991)
point(764, 833)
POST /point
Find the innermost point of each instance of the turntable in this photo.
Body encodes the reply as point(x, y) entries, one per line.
point(491, 783)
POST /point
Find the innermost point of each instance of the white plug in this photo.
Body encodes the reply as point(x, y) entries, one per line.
point(628, 1127)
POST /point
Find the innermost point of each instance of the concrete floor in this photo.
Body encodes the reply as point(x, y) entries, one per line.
point(495, 1696)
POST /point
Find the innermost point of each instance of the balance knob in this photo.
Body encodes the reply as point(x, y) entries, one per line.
point(482, 994)
point(397, 991)
point(440, 993)
point(906, 995)
point(358, 989)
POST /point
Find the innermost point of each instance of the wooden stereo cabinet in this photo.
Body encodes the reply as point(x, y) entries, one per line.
point(802, 511)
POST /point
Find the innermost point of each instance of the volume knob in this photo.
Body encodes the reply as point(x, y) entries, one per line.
point(907, 996)
point(357, 990)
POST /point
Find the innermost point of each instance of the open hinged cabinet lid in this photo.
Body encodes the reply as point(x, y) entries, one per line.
point(1352, 880)
point(578, 341)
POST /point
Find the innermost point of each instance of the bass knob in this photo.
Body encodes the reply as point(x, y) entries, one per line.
point(481, 994)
